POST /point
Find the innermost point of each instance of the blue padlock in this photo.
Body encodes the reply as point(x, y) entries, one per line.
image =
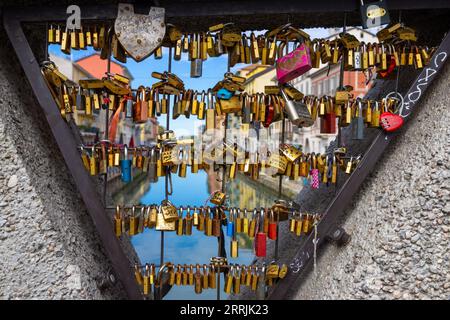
point(305, 182)
point(224, 94)
point(230, 224)
point(125, 166)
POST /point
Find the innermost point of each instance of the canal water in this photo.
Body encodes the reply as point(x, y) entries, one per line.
point(192, 190)
point(197, 248)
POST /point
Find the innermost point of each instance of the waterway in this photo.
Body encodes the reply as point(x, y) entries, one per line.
point(197, 248)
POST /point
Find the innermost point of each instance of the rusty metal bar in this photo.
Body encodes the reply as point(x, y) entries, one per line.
point(223, 8)
point(335, 209)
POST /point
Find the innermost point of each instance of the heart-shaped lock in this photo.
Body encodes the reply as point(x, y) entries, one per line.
point(390, 122)
point(139, 34)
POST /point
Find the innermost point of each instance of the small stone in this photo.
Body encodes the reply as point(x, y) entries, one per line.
point(415, 238)
point(397, 294)
point(434, 270)
point(365, 288)
point(446, 209)
point(12, 181)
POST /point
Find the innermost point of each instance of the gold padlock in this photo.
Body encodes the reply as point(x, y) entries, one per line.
point(162, 224)
point(218, 198)
point(169, 211)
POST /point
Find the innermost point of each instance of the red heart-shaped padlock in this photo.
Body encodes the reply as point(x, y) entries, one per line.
point(390, 122)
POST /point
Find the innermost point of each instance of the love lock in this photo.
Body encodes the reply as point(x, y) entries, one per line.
point(139, 34)
point(390, 121)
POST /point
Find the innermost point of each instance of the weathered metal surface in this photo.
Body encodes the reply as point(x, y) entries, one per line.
point(139, 34)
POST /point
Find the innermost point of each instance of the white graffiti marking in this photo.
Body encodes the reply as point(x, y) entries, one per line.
point(429, 73)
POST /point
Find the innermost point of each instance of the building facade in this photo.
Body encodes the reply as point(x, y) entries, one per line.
point(324, 82)
point(93, 127)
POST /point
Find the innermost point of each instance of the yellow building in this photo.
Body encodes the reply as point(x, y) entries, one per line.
point(258, 76)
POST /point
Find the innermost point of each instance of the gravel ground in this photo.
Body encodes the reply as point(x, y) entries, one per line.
point(49, 247)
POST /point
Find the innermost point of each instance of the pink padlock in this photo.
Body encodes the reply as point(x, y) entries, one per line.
point(315, 178)
point(294, 64)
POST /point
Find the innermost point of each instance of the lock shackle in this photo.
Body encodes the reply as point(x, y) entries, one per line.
point(359, 101)
point(228, 74)
point(166, 201)
point(148, 209)
point(234, 224)
point(210, 98)
point(125, 152)
point(261, 220)
point(283, 94)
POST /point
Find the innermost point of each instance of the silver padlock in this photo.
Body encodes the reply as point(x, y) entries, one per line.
point(297, 111)
point(246, 110)
point(152, 167)
point(357, 59)
point(197, 64)
point(219, 47)
point(358, 123)
point(129, 107)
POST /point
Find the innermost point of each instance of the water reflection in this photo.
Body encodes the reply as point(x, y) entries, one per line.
point(198, 248)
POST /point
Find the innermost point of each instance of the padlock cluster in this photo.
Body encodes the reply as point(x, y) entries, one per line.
point(313, 168)
point(89, 96)
point(204, 276)
point(224, 98)
point(159, 161)
point(167, 217)
point(302, 223)
point(258, 224)
point(394, 41)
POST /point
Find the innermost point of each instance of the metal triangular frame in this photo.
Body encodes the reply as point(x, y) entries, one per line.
point(67, 143)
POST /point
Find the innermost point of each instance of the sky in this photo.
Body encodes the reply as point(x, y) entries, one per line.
point(213, 71)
